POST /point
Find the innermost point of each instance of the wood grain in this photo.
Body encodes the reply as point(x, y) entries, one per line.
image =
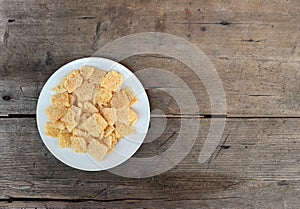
point(252, 45)
point(256, 164)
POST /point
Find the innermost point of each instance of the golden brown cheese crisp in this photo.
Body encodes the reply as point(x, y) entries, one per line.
point(96, 77)
point(60, 87)
point(112, 81)
point(108, 130)
point(109, 115)
point(102, 96)
point(84, 117)
point(131, 96)
point(102, 124)
point(97, 150)
point(124, 129)
point(73, 81)
point(88, 107)
point(56, 112)
point(71, 118)
point(94, 125)
point(86, 72)
point(132, 117)
point(64, 140)
point(118, 135)
point(59, 124)
point(81, 133)
point(51, 130)
point(120, 100)
point(61, 99)
point(85, 92)
point(108, 141)
point(78, 144)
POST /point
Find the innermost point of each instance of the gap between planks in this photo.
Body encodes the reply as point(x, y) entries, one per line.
point(211, 116)
point(11, 199)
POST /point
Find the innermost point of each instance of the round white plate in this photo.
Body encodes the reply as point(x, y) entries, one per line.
point(125, 148)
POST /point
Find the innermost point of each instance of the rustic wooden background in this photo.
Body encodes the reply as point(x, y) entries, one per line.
point(254, 46)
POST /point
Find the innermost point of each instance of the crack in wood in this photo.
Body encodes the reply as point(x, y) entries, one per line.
point(223, 23)
point(101, 27)
point(6, 36)
point(96, 36)
point(254, 41)
point(261, 95)
point(86, 17)
point(22, 92)
point(223, 146)
point(170, 137)
point(231, 185)
point(294, 48)
point(11, 199)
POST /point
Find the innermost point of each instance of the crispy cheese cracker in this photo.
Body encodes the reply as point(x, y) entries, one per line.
point(84, 117)
point(58, 124)
point(108, 130)
point(114, 139)
point(102, 96)
point(120, 100)
point(87, 107)
point(97, 77)
point(101, 122)
point(73, 81)
point(97, 150)
point(132, 117)
point(86, 72)
point(124, 129)
point(94, 125)
point(108, 141)
point(85, 92)
point(56, 112)
point(118, 135)
point(126, 116)
point(61, 99)
point(78, 144)
point(131, 96)
point(112, 81)
point(122, 115)
point(51, 130)
point(83, 134)
point(71, 118)
point(64, 140)
point(109, 115)
point(79, 132)
point(60, 87)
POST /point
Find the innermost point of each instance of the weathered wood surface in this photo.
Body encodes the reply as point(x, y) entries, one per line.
point(253, 45)
point(255, 166)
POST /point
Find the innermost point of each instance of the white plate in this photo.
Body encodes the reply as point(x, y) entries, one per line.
point(125, 148)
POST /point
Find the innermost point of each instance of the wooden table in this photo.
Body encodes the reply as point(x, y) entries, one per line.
point(254, 46)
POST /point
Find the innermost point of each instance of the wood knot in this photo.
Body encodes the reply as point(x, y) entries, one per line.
point(6, 98)
point(223, 22)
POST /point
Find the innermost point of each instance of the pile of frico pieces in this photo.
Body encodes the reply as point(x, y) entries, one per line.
point(90, 112)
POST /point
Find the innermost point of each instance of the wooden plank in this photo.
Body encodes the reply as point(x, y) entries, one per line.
point(253, 46)
point(225, 202)
point(255, 165)
point(269, 99)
